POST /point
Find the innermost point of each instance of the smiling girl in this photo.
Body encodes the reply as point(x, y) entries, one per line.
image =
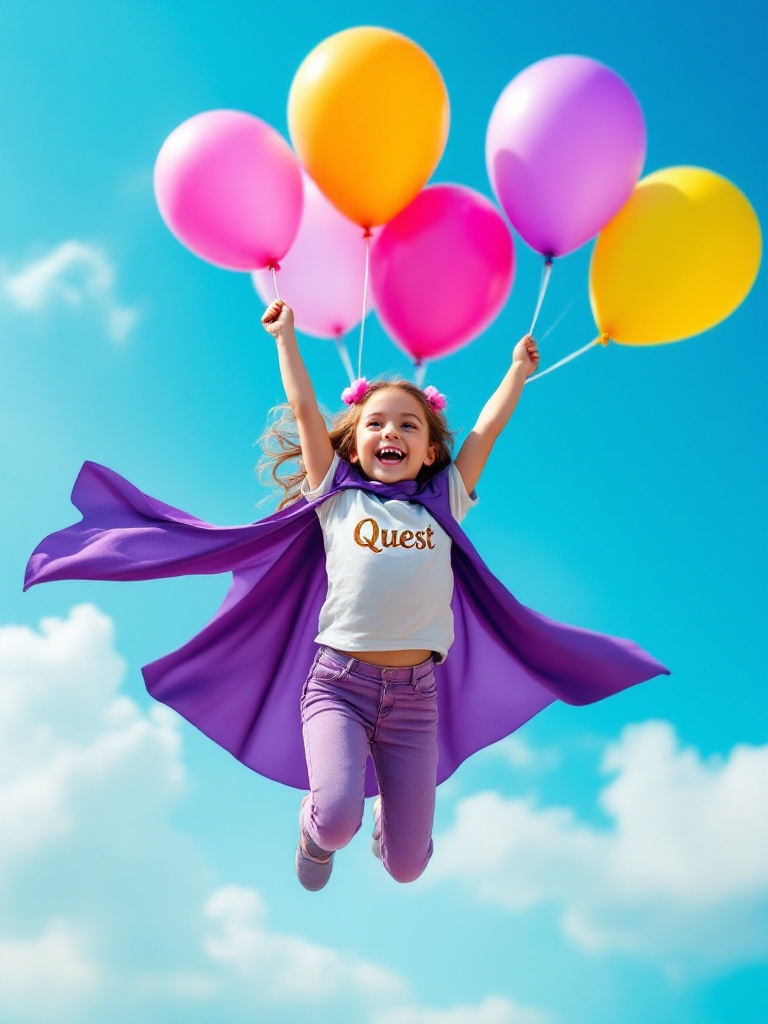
point(364, 571)
point(386, 619)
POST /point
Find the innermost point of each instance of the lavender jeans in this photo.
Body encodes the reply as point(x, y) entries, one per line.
point(351, 709)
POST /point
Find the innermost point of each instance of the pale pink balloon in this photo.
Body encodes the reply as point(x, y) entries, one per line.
point(229, 188)
point(322, 275)
point(441, 270)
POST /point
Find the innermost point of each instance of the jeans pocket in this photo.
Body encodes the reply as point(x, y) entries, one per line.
point(426, 687)
point(325, 673)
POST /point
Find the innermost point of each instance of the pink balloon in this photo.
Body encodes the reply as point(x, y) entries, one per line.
point(229, 188)
point(565, 148)
point(323, 273)
point(441, 270)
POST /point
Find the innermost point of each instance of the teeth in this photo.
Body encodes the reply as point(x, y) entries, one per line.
point(390, 451)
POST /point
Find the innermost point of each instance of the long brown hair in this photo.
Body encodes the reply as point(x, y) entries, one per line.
point(280, 440)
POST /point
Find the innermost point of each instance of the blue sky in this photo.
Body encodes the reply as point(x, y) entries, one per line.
point(607, 863)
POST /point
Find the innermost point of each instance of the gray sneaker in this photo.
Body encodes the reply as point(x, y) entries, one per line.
point(376, 839)
point(313, 865)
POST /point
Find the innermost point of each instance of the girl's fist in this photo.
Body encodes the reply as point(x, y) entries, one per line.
point(277, 317)
point(526, 352)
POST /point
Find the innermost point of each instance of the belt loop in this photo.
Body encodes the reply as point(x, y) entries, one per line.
point(347, 667)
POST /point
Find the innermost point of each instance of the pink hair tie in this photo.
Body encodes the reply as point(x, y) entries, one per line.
point(436, 400)
point(356, 391)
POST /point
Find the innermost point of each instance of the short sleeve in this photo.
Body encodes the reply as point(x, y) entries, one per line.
point(461, 502)
point(325, 483)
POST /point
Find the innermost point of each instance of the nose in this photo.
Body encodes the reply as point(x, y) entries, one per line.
point(390, 430)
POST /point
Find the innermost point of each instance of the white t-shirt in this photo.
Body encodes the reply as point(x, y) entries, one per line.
point(390, 580)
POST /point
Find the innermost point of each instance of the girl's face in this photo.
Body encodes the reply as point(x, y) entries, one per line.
point(392, 437)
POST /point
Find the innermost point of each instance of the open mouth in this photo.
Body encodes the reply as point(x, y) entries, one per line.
point(390, 456)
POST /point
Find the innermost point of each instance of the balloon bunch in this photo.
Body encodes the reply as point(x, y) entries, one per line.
point(348, 215)
point(676, 252)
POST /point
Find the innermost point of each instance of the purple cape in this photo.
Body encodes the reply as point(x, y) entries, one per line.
point(239, 680)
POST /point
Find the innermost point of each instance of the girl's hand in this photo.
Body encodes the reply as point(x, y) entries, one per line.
point(526, 353)
point(277, 318)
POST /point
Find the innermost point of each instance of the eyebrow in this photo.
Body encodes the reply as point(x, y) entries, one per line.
point(404, 415)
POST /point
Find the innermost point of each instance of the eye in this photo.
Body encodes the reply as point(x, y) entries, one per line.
point(373, 423)
point(413, 426)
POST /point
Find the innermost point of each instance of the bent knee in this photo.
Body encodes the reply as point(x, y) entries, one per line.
point(404, 869)
point(336, 827)
point(404, 873)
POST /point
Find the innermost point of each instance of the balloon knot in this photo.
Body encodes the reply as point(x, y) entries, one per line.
point(604, 339)
point(273, 265)
point(367, 233)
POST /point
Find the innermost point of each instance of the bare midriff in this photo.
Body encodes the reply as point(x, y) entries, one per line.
point(390, 659)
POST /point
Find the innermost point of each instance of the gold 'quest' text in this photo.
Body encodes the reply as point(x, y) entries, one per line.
point(368, 534)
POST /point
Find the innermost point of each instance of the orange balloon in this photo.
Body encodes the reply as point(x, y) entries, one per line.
point(368, 114)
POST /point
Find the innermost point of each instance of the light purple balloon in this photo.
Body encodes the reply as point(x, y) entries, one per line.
point(565, 148)
point(229, 188)
point(322, 276)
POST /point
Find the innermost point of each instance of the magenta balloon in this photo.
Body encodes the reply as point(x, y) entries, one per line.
point(565, 148)
point(323, 274)
point(229, 188)
point(441, 270)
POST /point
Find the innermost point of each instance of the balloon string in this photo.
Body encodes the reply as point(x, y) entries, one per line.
point(545, 275)
point(274, 281)
point(562, 362)
point(367, 237)
point(559, 320)
point(341, 348)
point(419, 373)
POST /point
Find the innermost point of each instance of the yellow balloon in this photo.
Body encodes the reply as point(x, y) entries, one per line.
point(678, 258)
point(368, 115)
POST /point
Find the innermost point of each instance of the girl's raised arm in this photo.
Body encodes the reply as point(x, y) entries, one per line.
point(316, 447)
point(478, 444)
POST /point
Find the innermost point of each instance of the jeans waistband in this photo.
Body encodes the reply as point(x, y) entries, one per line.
point(380, 673)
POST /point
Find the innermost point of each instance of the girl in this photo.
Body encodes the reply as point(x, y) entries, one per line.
point(387, 615)
point(371, 553)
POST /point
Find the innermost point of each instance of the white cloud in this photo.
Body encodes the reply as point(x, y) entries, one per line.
point(106, 910)
point(680, 873)
point(86, 783)
point(690, 830)
point(77, 275)
point(273, 962)
point(55, 969)
point(494, 1010)
point(70, 745)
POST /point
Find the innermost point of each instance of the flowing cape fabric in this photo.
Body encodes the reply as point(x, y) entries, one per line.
point(240, 679)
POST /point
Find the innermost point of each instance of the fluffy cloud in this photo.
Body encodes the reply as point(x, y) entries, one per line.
point(86, 783)
point(272, 962)
point(680, 872)
point(106, 910)
point(98, 893)
point(54, 969)
point(70, 745)
point(73, 274)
